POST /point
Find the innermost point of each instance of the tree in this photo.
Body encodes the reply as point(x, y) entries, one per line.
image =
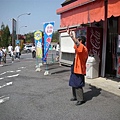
point(29, 37)
point(55, 37)
point(1, 35)
point(5, 37)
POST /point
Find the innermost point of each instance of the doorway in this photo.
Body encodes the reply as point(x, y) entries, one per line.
point(111, 49)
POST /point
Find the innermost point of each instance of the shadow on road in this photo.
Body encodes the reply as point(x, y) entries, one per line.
point(94, 92)
point(61, 71)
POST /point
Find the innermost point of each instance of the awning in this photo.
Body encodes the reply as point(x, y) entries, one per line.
point(113, 8)
point(73, 5)
point(81, 12)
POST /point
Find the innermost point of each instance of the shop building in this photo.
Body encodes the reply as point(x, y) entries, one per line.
point(99, 21)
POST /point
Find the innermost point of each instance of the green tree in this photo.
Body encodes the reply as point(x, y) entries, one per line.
point(29, 37)
point(5, 37)
point(2, 36)
point(55, 37)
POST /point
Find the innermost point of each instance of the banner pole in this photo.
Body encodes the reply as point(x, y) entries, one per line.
point(46, 69)
point(37, 66)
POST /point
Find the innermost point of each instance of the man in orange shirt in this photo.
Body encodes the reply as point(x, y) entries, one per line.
point(78, 69)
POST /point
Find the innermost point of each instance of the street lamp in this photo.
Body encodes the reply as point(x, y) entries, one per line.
point(21, 27)
point(17, 21)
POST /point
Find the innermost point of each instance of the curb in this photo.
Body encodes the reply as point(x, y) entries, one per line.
point(105, 84)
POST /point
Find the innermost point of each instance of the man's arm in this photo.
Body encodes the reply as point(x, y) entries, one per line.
point(73, 37)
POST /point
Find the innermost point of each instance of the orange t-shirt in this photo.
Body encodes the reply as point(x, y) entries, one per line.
point(80, 59)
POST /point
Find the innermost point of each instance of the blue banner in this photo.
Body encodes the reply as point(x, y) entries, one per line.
point(38, 43)
point(48, 32)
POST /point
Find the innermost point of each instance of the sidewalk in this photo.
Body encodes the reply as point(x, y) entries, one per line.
point(105, 84)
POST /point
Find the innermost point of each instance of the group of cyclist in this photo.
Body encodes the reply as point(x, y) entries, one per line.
point(12, 53)
point(3, 53)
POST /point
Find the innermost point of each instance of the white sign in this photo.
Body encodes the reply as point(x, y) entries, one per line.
point(49, 29)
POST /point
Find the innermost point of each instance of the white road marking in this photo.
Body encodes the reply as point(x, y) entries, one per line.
point(3, 99)
point(10, 71)
point(13, 75)
point(10, 83)
point(6, 72)
point(22, 67)
point(1, 78)
point(18, 70)
point(3, 73)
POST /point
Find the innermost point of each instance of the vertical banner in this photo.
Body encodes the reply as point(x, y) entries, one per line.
point(48, 31)
point(38, 43)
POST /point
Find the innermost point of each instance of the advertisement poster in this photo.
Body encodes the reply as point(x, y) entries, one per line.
point(38, 43)
point(48, 31)
point(94, 41)
point(94, 38)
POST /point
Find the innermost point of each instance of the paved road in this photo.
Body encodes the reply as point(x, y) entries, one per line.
point(29, 95)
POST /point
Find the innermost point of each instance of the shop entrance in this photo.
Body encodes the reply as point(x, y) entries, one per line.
point(111, 49)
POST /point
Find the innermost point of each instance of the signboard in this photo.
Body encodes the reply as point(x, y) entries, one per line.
point(94, 41)
point(17, 42)
point(38, 43)
point(48, 31)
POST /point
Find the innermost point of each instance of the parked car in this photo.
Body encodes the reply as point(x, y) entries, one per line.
point(27, 48)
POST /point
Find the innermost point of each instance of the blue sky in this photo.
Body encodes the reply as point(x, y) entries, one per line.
point(41, 11)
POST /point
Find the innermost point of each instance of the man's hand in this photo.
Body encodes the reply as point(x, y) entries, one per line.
point(72, 35)
point(69, 32)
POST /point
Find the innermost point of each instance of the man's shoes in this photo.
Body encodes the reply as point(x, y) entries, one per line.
point(73, 99)
point(79, 103)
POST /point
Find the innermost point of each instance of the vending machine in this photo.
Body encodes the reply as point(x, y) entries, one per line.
point(94, 38)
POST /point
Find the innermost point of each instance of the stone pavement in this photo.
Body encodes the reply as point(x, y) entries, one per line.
point(107, 84)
